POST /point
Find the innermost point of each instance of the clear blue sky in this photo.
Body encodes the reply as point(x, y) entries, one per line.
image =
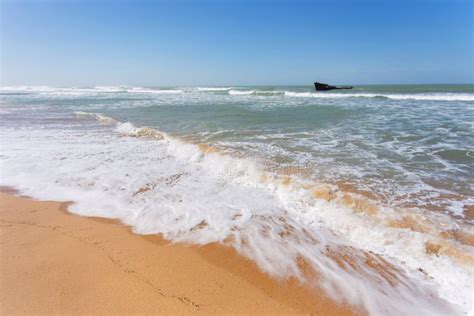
point(155, 43)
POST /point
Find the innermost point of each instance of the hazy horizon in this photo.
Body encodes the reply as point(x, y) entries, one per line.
point(236, 43)
point(231, 85)
point(85, 86)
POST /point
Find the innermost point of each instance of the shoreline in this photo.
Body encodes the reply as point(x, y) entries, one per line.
point(57, 262)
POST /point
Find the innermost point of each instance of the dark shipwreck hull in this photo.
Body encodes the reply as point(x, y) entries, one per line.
point(325, 87)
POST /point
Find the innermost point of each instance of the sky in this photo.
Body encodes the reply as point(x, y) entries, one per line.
point(235, 42)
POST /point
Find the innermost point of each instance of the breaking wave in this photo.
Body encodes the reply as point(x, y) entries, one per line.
point(212, 89)
point(98, 116)
point(242, 92)
point(155, 91)
point(414, 96)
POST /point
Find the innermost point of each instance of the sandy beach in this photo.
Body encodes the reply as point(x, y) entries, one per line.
point(53, 262)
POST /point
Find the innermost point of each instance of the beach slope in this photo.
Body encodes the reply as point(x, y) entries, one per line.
point(55, 262)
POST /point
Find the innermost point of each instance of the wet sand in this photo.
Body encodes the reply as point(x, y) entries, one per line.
point(53, 262)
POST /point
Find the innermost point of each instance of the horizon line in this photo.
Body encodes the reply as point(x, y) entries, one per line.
point(220, 85)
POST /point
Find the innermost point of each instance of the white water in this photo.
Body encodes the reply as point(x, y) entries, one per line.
point(170, 187)
point(241, 92)
point(411, 96)
point(206, 89)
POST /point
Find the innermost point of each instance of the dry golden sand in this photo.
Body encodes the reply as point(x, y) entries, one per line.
point(56, 263)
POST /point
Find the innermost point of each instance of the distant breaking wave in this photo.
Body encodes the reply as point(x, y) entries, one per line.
point(157, 91)
point(212, 89)
point(68, 90)
point(242, 92)
point(421, 96)
point(46, 90)
point(325, 95)
point(256, 92)
point(93, 90)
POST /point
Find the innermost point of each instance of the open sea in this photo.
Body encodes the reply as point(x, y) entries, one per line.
point(366, 193)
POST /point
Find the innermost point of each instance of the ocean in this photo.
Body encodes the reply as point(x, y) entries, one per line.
point(366, 193)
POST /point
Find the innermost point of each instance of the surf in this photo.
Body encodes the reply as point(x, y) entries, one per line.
point(285, 224)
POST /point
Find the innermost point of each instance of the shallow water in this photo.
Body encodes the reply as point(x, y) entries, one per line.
point(284, 174)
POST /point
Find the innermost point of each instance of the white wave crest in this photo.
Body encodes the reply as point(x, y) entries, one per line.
point(155, 91)
point(211, 89)
point(433, 96)
point(27, 88)
point(242, 92)
point(414, 96)
point(55, 91)
point(110, 88)
point(98, 116)
point(129, 129)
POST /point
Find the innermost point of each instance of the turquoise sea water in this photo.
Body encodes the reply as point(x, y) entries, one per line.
point(385, 168)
